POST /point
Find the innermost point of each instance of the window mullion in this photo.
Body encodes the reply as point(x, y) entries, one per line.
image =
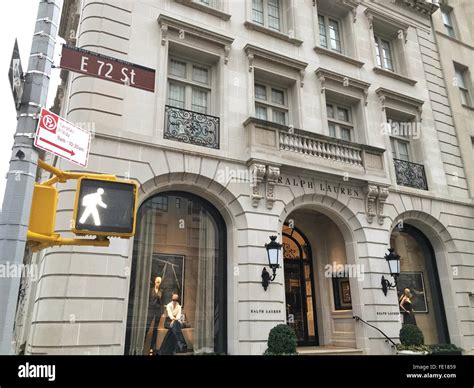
point(188, 102)
point(328, 32)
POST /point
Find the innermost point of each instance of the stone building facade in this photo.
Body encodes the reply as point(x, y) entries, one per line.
point(327, 124)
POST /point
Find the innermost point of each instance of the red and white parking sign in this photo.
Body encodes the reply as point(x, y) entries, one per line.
point(62, 138)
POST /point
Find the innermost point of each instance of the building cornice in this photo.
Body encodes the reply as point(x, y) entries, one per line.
point(424, 7)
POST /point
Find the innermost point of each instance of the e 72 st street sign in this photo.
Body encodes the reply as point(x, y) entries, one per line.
point(107, 68)
point(62, 138)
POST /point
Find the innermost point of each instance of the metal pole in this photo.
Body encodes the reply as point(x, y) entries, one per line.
point(21, 175)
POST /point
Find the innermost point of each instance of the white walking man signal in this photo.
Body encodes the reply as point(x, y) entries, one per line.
point(91, 201)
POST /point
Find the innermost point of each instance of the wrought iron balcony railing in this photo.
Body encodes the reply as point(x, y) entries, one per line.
point(410, 174)
point(191, 127)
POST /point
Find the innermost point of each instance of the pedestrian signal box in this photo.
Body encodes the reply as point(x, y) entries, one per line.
point(105, 207)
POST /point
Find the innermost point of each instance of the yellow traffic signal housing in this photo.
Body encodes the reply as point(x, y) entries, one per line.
point(43, 210)
point(105, 207)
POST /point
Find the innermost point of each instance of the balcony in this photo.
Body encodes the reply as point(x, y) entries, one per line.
point(191, 127)
point(275, 143)
point(410, 174)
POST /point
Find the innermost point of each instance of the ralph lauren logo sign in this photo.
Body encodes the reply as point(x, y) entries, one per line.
point(321, 187)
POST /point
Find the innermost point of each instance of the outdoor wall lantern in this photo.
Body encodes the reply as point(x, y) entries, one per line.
point(393, 261)
point(273, 253)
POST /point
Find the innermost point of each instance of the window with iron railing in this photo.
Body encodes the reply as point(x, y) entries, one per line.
point(189, 97)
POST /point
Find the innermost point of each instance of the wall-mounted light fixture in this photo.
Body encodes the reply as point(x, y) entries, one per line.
point(393, 261)
point(273, 253)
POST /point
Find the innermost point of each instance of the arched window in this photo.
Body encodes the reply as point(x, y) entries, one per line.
point(179, 249)
point(419, 274)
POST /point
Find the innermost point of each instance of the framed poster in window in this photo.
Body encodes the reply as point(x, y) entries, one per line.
point(415, 283)
point(171, 270)
point(342, 293)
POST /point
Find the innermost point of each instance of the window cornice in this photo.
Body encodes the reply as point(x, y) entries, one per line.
point(344, 5)
point(386, 94)
point(325, 74)
point(167, 22)
point(255, 51)
point(372, 14)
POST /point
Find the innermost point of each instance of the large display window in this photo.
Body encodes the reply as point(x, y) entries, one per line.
point(178, 278)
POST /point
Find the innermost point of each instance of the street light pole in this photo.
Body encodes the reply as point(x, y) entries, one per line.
point(21, 175)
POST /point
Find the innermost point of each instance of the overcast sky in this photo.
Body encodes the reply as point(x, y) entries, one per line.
point(18, 22)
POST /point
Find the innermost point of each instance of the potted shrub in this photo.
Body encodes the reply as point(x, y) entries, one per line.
point(412, 341)
point(281, 341)
point(445, 350)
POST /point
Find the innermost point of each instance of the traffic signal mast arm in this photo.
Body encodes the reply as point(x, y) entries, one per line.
point(43, 215)
point(62, 176)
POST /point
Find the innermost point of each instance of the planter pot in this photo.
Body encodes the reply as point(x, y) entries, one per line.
point(411, 353)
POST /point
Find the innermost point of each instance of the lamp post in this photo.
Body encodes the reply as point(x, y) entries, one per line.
point(273, 254)
point(393, 261)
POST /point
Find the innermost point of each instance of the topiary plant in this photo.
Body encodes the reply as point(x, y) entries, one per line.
point(281, 340)
point(411, 335)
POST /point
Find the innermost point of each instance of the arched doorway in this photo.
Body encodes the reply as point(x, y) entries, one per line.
point(318, 280)
point(180, 239)
point(299, 287)
point(419, 273)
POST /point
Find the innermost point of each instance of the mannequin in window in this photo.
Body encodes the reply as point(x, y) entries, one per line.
point(407, 307)
point(174, 340)
point(155, 309)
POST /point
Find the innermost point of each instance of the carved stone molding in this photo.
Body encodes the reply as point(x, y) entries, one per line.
point(257, 171)
point(164, 34)
point(381, 199)
point(251, 58)
point(273, 173)
point(322, 82)
point(302, 74)
point(371, 192)
point(226, 53)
